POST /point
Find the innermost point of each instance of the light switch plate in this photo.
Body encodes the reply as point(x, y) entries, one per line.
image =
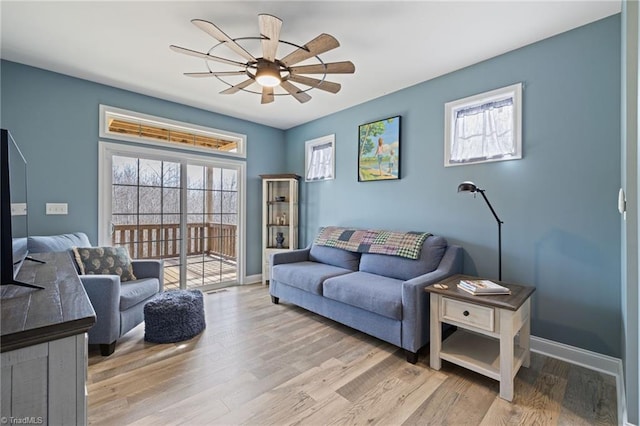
point(57, 208)
point(18, 209)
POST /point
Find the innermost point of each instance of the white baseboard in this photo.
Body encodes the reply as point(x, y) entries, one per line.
point(578, 356)
point(592, 360)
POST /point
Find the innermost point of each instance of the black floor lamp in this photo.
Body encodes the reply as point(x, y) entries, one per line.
point(471, 187)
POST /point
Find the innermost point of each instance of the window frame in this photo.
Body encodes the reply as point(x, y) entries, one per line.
point(108, 111)
point(308, 151)
point(106, 151)
point(513, 91)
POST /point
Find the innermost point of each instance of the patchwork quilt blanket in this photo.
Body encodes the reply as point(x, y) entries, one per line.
point(404, 244)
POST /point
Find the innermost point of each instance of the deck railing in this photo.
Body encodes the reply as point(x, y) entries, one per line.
point(163, 240)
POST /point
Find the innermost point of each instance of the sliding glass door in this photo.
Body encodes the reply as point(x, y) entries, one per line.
point(183, 209)
point(212, 221)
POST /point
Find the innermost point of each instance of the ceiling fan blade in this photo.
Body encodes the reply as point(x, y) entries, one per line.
point(270, 29)
point(234, 89)
point(219, 35)
point(345, 67)
point(327, 86)
point(205, 56)
point(267, 95)
point(294, 91)
point(322, 43)
point(213, 74)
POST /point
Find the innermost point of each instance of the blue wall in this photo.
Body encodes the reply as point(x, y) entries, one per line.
point(561, 229)
point(54, 119)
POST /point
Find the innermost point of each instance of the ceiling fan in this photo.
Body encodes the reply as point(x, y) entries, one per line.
point(268, 71)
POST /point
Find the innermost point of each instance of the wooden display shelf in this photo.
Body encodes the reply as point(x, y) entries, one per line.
point(279, 214)
point(281, 176)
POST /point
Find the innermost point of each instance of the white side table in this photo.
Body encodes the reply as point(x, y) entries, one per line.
point(487, 326)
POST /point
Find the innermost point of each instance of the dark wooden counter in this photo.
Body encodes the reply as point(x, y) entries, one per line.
point(32, 316)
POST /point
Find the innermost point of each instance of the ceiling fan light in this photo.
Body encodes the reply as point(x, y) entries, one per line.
point(268, 80)
point(268, 71)
point(268, 76)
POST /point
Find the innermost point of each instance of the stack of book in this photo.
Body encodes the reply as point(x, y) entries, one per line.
point(482, 287)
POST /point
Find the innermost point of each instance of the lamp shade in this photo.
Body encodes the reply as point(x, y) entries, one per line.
point(268, 74)
point(467, 187)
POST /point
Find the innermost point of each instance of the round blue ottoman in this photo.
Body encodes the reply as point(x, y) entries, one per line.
point(174, 316)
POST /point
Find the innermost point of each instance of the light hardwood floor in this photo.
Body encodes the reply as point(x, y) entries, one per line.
point(260, 363)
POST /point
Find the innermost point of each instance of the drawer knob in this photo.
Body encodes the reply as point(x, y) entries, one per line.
point(465, 313)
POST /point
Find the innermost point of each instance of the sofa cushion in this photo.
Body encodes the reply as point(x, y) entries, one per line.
point(104, 261)
point(63, 242)
point(307, 276)
point(334, 256)
point(134, 292)
point(402, 268)
point(370, 292)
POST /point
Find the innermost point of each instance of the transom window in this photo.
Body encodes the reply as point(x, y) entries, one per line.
point(121, 124)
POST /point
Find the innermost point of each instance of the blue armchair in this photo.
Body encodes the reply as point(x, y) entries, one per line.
point(118, 305)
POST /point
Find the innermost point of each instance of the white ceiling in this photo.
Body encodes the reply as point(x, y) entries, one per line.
point(392, 44)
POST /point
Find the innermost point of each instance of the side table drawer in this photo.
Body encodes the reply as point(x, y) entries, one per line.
point(481, 317)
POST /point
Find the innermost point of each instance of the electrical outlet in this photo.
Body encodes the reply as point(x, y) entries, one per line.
point(57, 208)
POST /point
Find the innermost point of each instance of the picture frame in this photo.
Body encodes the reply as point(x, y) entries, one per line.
point(320, 159)
point(379, 150)
point(484, 128)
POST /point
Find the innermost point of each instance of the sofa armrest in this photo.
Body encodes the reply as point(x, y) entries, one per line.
point(292, 256)
point(149, 268)
point(415, 301)
point(450, 264)
point(104, 294)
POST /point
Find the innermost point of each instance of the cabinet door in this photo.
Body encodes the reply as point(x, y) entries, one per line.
point(24, 382)
point(46, 383)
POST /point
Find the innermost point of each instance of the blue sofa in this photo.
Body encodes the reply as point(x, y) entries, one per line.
point(378, 294)
point(118, 305)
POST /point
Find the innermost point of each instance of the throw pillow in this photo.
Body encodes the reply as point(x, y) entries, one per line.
point(104, 261)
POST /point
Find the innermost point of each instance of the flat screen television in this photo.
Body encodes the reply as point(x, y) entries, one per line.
point(13, 210)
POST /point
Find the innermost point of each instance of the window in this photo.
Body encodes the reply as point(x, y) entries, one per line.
point(319, 159)
point(485, 127)
point(185, 208)
point(132, 126)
